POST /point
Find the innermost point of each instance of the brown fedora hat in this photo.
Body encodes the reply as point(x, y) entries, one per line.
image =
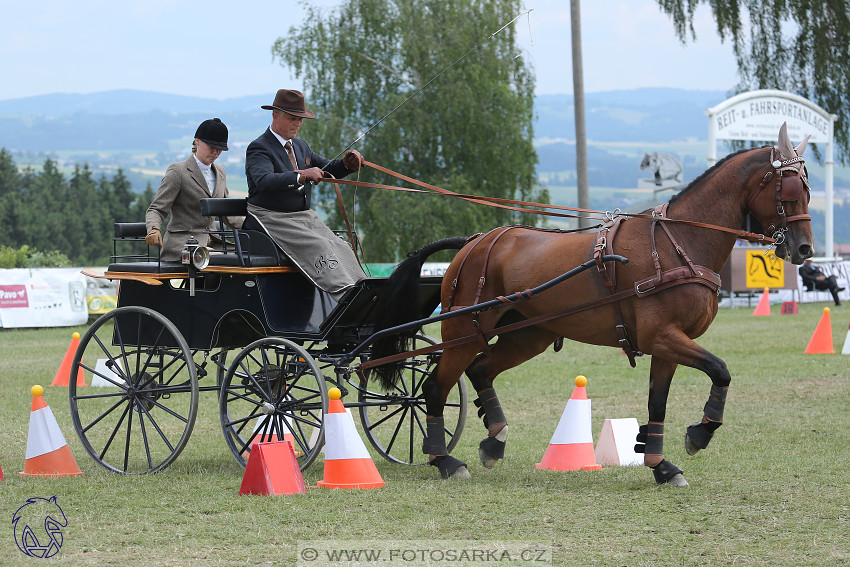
point(290, 102)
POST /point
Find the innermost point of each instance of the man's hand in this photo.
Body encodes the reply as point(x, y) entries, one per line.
point(154, 238)
point(313, 175)
point(352, 160)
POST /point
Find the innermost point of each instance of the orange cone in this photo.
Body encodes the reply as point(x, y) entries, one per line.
point(1, 473)
point(265, 433)
point(763, 308)
point(63, 375)
point(571, 447)
point(821, 341)
point(48, 453)
point(272, 469)
point(347, 462)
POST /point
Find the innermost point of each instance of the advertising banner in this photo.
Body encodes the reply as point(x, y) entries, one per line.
point(42, 297)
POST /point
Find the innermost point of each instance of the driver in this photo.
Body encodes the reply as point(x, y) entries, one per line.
point(281, 170)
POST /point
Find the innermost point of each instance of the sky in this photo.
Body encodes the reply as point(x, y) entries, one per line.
point(222, 50)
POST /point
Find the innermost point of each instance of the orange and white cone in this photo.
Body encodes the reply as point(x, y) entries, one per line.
point(821, 341)
point(571, 447)
point(48, 453)
point(347, 462)
point(63, 375)
point(763, 307)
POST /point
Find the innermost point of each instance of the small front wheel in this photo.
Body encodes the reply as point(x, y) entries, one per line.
point(394, 421)
point(274, 391)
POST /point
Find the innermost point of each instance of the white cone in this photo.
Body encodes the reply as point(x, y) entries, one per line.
point(616, 445)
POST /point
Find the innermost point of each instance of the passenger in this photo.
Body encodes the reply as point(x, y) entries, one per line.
point(184, 184)
point(281, 170)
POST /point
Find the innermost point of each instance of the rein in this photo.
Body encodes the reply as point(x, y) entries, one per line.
point(508, 204)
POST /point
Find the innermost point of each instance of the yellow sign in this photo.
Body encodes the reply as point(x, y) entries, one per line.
point(764, 270)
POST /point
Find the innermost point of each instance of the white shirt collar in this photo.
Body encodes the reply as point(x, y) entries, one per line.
point(281, 139)
point(202, 165)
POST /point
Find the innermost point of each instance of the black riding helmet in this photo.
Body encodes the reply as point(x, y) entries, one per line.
point(213, 132)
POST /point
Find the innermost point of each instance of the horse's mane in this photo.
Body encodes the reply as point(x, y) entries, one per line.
point(709, 171)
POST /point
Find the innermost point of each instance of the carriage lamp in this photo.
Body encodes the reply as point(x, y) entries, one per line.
point(196, 258)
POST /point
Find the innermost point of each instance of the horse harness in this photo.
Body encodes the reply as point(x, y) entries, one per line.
point(663, 279)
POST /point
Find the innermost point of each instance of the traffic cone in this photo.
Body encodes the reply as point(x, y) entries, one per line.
point(821, 341)
point(347, 462)
point(763, 307)
point(1, 473)
point(272, 469)
point(616, 445)
point(63, 375)
point(48, 453)
point(571, 447)
point(846, 349)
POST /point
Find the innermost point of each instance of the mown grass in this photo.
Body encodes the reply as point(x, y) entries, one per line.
point(772, 489)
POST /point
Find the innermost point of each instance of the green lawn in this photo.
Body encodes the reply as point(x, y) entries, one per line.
point(772, 489)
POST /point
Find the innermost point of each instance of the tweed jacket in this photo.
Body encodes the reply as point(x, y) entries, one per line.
point(179, 194)
point(272, 183)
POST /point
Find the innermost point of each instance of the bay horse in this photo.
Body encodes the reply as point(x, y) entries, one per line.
point(657, 304)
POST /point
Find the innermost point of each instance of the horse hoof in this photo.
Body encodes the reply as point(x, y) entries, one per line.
point(491, 449)
point(690, 448)
point(462, 473)
point(678, 481)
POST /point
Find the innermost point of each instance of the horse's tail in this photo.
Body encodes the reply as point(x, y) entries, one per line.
point(399, 305)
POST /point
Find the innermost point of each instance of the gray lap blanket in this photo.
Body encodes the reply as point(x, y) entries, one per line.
point(327, 260)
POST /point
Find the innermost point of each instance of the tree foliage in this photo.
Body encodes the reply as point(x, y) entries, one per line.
point(470, 130)
point(49, 220)
point(799, 46)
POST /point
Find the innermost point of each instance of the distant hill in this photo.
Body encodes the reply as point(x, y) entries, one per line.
point(143, 120)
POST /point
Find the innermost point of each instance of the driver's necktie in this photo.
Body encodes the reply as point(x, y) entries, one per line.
point(288, 148)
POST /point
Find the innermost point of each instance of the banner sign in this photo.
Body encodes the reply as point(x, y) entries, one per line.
point(42, 297)
point(759, 119)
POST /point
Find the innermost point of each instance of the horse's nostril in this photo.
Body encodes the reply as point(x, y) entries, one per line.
point(806, 251)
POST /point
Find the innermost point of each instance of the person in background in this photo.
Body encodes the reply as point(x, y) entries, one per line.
point(184, 185)
point(814, 278)
point(281, 171)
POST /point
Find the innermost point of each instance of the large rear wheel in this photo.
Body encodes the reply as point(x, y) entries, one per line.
point(138, 414)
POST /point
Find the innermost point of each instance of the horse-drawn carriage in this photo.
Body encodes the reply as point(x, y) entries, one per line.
point(245, 323)
point(274, 342)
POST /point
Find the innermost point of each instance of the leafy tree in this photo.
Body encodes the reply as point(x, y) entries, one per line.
point(122, 197)
point(26, 257)
point(470, 130)
point(800, 46)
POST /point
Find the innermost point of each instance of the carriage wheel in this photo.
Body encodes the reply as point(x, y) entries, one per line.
point(394, 421)
point(273, 390)
point(142, 415)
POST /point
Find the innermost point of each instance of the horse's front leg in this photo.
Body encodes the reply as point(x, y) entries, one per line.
point(699, 434)
point(650, 439)
point(492, 448)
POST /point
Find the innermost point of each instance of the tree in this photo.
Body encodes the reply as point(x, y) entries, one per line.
point(470, 130)
point(800, 46)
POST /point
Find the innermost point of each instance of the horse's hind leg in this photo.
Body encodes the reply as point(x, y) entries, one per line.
point(510, 350)
point(650, 439)
point(435, 389)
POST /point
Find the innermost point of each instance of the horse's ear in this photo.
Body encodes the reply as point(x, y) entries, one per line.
point(786, 149)
point(802, 146)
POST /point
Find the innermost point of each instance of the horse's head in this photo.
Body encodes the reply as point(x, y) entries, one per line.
point(781, 201)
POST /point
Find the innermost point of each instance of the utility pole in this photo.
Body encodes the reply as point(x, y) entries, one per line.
point(578, 98)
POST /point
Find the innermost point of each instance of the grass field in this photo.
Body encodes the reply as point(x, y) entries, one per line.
point(773, 488)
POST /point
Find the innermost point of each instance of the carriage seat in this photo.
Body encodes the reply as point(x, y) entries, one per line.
point(244, 248)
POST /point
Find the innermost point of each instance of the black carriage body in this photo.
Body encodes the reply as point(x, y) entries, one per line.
point(232, 310)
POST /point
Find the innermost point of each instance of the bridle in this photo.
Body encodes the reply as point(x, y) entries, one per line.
point(779, 168)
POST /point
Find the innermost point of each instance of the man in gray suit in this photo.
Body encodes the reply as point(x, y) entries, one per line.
point(281, 171)
point(184, 185)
